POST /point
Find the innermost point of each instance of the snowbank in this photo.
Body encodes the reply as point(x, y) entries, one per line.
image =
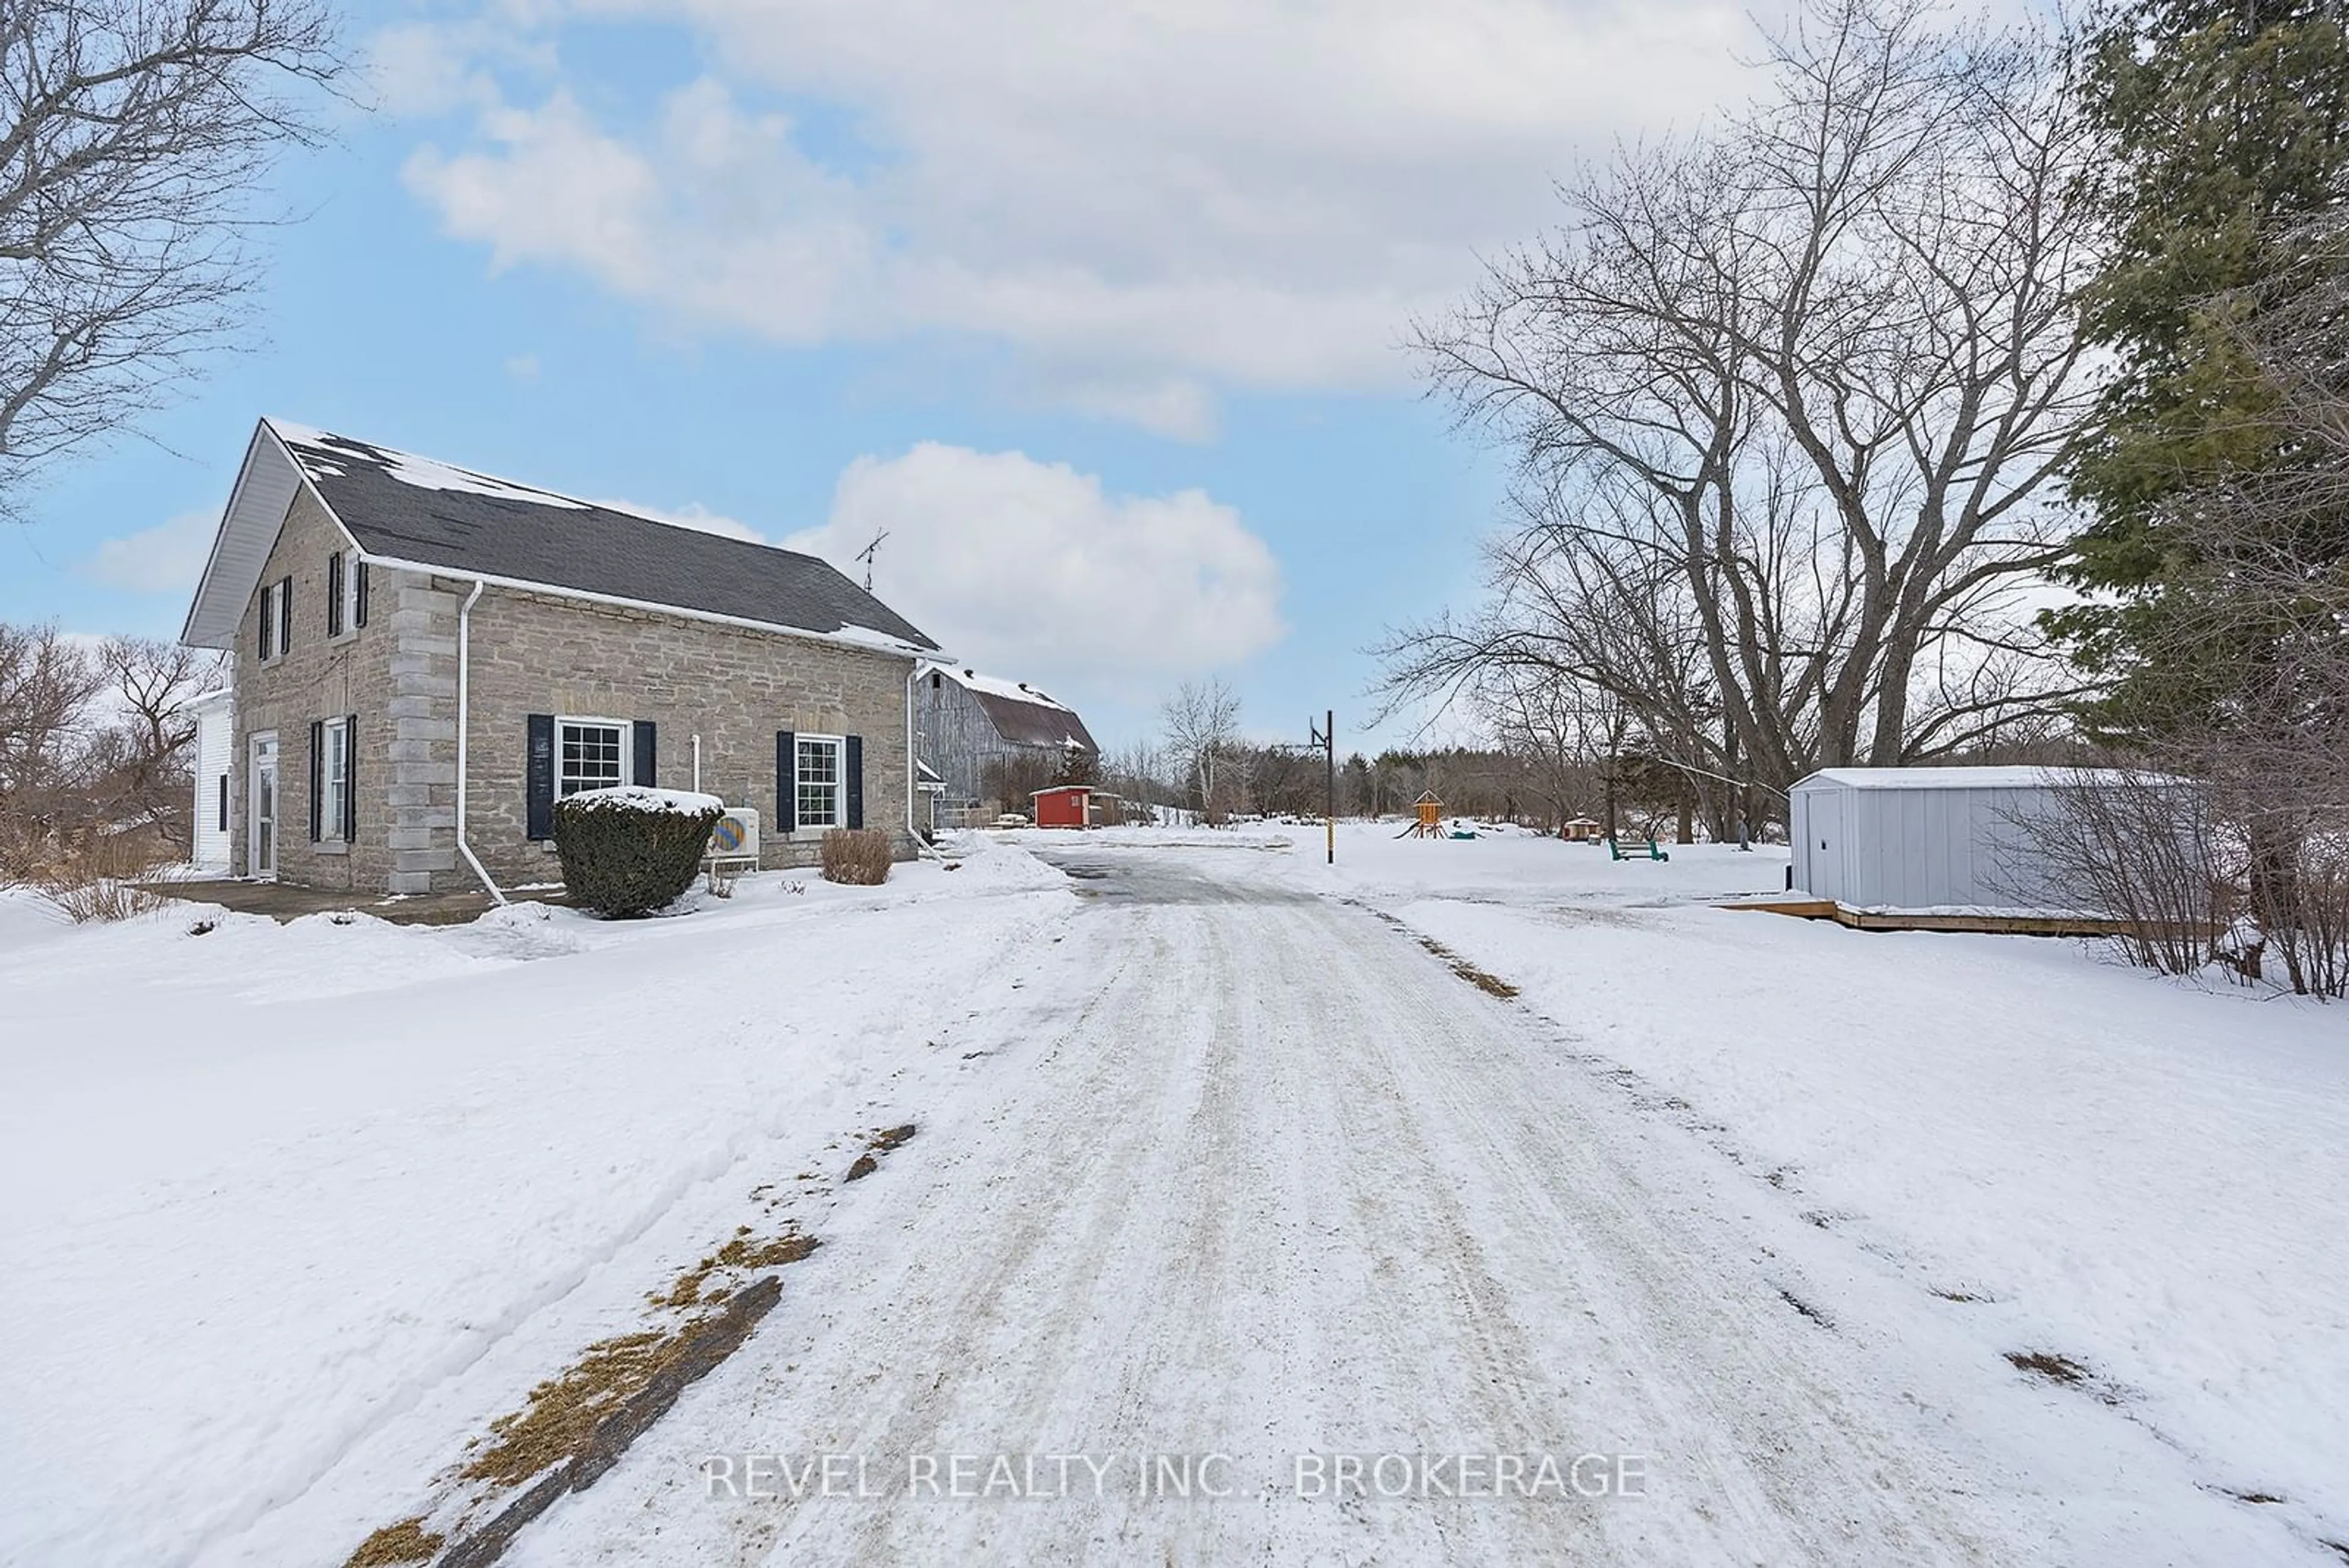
point(278, 1202)
point(2056, 1152)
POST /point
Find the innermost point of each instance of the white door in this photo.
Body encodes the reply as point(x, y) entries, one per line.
point(263, 862)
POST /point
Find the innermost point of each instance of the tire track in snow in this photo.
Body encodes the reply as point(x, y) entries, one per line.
point(1284, 1183)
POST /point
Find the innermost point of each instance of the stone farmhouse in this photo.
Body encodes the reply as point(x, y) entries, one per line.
point(989, 741)
point(425, 658)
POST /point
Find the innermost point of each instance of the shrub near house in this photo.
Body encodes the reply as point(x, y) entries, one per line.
point(628, 851)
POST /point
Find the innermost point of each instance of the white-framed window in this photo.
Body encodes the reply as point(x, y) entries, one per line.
point(342, 594)
point(819, 776)
point(333, 778)
point(273, 622)
point(589, 754)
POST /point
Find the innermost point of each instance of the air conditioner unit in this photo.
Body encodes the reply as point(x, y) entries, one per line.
point(736, 836)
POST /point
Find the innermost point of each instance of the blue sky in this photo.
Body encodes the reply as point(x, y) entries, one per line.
point(1096, 308)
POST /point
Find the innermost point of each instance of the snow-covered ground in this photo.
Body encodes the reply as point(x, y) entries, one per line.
point(281, 1203)
point(1211, 1159)
point(2147, 1177)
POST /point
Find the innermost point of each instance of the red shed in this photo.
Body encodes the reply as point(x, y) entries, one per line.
point(1063, 806)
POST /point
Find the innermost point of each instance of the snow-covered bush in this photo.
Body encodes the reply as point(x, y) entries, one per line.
point(628, 851)
point(857, 855)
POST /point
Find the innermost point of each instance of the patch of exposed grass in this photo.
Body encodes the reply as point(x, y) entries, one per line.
point(562, 1412)
point(1490, 984)
point(407, 1541)
point(2047, 1365)
point(880, 1142)
point(743, 1251)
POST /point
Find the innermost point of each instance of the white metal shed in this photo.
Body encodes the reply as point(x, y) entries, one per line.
point(1934, 838)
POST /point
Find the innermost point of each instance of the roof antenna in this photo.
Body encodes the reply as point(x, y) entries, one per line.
point(867, 554)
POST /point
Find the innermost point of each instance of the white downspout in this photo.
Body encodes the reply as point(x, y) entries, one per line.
point(696, 764)
point(922, 847)
point(464, 684)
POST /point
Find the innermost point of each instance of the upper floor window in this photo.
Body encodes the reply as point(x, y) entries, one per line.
point(346, 592)
point(276, 618)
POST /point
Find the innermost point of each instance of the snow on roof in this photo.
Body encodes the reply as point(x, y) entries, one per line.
point(996, 686)
point(1967, 778)
point(323, 452)
point(1021, 714)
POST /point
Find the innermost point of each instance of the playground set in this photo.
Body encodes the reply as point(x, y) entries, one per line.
point(1428, 823)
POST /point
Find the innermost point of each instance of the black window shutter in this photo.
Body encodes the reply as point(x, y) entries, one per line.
point(539, 776)
point(223, 802)
point(852, 764)
point(360, 592)
point(317, 757)
point(350, 778)
point(646, 756)
point(268, 619)
point(285, 615)
point(787, 794)
point(335, 594)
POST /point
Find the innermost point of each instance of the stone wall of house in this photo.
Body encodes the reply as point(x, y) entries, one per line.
point(733, 687)
point(532, 653)
point(314, 678)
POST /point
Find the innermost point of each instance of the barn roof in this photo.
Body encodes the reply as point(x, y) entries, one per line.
point(1021, 714)
point(401, 510)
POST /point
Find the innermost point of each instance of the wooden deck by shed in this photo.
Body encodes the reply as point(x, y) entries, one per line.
point(2017, 923)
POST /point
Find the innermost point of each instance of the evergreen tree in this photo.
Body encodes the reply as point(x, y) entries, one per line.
point(2229, 126)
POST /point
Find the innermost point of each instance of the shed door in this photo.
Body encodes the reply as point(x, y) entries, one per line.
point(1823, 844)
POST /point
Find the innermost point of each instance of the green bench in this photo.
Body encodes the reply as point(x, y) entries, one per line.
point(1615, 851)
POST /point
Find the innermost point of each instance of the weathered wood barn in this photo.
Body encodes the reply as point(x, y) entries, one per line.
point(991, 743)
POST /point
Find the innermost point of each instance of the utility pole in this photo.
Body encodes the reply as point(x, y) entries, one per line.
point(1326, 737)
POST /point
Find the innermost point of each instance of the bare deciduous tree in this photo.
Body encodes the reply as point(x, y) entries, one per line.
point(140, 768)
point(132, 135)
point(1785, 401)
point(1202, 722)
point(46, 683)
point(94, 745)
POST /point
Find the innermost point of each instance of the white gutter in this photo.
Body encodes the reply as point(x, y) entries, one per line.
point(464, 683)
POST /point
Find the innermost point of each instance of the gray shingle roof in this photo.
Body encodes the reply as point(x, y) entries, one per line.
point(406, 508)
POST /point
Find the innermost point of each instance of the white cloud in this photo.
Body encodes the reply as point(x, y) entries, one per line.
point(164, 559)
point(523, 367)
point(1148, 203)
point(422, 69)
point(1032, 570)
